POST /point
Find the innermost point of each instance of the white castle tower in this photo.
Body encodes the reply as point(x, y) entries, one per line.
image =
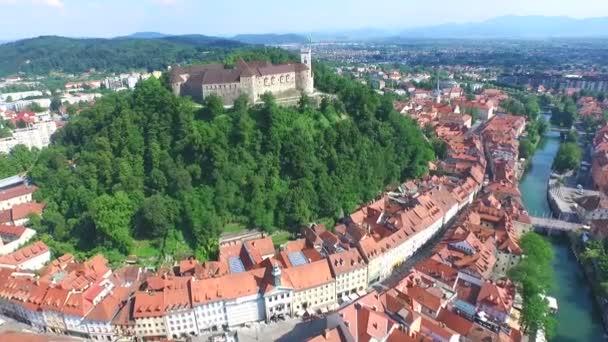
point(307, 82)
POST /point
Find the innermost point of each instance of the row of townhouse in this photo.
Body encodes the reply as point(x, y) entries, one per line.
point(68, 297)
point(252, 282)
point(186, 306)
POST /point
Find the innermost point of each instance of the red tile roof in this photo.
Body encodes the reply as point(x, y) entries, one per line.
point(346, 261)
point(455, 322)
point(149, 304)
point(21, 211)
point(24, 254)
point(499, 296)
point(17, 191)
point(310, 275)
point(55, 299)
point(11, 230)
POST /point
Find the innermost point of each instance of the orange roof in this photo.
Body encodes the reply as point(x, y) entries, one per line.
point(231, 286)
point(432, 327)
point(401, 336)
point(328, 335)
point(258, 248)
point(22, 211)
point(148, 304)
point(346, 261)
point(459, 324)
point(366, 320)
point(105, 310)
point(309, 275)
point(187, 266)
point(427, 297)
point(17, 191)
point(77, 304)
point(437, 270)
point(15, 231)
point(54, 299)
point(24, 254)
point(498, 296)
point(369, 248)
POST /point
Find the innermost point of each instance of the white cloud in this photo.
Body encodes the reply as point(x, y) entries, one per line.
point(53, 3)
point(166, 2)
point(50, 3)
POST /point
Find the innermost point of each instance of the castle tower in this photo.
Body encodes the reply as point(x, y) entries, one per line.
point(306, 58)
point(306, 78)
point(276, 275)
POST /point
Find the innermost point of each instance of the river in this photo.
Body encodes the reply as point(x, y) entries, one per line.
point(577, 319)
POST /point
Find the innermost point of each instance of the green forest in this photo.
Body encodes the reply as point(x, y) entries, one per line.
point(42, 55)
point(145, 168)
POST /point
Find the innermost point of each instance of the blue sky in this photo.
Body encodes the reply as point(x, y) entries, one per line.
point(107, 18)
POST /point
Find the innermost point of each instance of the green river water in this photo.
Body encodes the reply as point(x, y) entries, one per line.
point(577, 318)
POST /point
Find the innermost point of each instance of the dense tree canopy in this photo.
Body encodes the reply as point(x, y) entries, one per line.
point(148, 165)
point(568, 157)
point(19, 160)
point(45, 54)
point(534, 278)
point(565, 113)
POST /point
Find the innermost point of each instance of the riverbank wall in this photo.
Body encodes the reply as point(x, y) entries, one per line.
point(576, 247)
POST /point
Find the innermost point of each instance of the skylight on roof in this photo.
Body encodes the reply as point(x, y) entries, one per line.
point(297, 258)
point(235, 265)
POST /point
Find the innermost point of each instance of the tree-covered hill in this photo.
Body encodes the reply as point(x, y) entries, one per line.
point(145, 165)
point(74, 55)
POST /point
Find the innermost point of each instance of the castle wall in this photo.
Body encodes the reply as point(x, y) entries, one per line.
point(248, 88)
point(276, 84)
point(189, 89)
point(227, 91)
point(305, 82)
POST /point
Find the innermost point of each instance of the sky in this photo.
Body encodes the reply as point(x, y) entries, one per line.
point(110, 18)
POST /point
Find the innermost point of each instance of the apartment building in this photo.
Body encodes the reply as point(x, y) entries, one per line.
point(350, 271)
point(314, 287)
point(17, 194)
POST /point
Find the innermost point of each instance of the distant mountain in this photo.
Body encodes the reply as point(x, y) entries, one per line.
point(523, 27)
point(271, 38)
point(146, 35)
point(74, 55)
point(362, 34)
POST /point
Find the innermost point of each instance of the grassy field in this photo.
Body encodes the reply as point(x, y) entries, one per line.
point(233, 228)
point(280, 237)
point(144, 249)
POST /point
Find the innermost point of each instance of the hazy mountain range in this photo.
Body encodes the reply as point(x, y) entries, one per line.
point(505, 27)
point(516, 27)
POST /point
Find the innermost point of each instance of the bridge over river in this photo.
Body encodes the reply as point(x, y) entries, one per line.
point(551, 225)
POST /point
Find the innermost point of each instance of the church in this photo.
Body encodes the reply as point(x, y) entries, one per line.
point(252, 79)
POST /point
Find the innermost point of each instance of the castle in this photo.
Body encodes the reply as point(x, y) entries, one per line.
point(250, 78)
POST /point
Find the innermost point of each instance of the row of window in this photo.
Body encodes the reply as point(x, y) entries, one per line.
point(282, 296)
point(273, 80)
point(221, 86)
point(151, 332)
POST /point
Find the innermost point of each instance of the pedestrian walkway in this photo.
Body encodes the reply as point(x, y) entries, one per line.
point(555, 224)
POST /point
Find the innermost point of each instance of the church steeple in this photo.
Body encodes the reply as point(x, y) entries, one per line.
point(276, 275)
